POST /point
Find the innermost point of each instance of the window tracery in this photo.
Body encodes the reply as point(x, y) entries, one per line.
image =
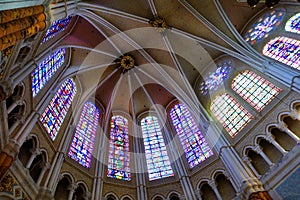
point(81, 148)
point(264, 25)
point(285, 50)
point(157, 158)
point(119, 158)
point(192, 140)
point(293, 24)
point(54, 115)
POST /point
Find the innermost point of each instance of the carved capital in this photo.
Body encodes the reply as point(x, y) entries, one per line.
point(6, 89)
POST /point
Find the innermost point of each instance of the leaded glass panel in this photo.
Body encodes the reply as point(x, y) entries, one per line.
point(46, 69)
point(157, 158)
point(195, 147)
point(293, 24)
point(56, 27)
point(254, 89)
point(55, 113)
point(230, 113)
point(285, 50)
point(119, 158)
point(264, 25)
point(81, 148)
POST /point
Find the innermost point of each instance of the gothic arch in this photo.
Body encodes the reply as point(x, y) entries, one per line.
point(173, 194)
point(256, 161)
point(268, 148)
point(111, 196)
point(158, 197)
point(126, 197)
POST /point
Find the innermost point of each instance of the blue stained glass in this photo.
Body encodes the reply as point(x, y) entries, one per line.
point(215, 79)
point(46, 69)
point(195, 147)
point(264, 25)
point(285, 50)
point(119, 158)
point(56, 27)
point(54, 115)
point(82, 145)
point(293, 24)
point(158, 162)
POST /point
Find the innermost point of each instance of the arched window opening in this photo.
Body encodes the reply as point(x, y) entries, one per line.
point(81, 148)
point(264, 25)
point(23, 53)
point(46, 69)
point(37, 166)
point(293, 24)
point(225, 187)
point(79, 193)
point(270, 150)
point(16, 95)
point(174, 197)
point(285, 50)
point(283, 139)
point(195, 147)
point(56, 27)
point(214, 80)
point(207, 192)
point(111, 197)
point(292, 125)
point(62, 189)
point(55, 113)
point(254, 89)
point(119, 157)
point(25, 151)
point(16, 115)
point(230, 113)
point(158, 198)
point(258, 162)
point(157, 158)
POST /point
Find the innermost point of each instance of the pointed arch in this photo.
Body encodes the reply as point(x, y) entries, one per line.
point(254, 89)
point(285, 50)
point(55, 113)
point(195, 147)
point(46, 69)
point(293, 24)
point(158, 162)
point(230, 113)
point(82, 145)
point(119, 157)
point(56, 27)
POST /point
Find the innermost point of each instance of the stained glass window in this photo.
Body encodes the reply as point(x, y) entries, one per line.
point(230, 113)
point(46, 69)
point(56, 27)
point(215, 79)
point(195, 147)
point(82, 145)
point(293, 24)
point(158, 162)
point(254, 89)
point(54, 115)
point(118, 160)
point(285, 50)
point(264, 25)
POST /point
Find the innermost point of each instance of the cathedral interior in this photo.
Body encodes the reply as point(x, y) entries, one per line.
point(149, 100)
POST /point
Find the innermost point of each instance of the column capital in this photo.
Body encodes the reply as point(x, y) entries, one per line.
point(12, 148)
point(261, 195)
point(72, 186)
point(6, 89)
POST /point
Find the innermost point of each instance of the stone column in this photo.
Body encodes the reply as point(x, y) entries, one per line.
point(46, 166)
point(262, 195)
point(263, 155)
point(72, 189)
point(34, 153)
point(271, 139)
point(7, 156)
point(6, 89)
point(215, 189)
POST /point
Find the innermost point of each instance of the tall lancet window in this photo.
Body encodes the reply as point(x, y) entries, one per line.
point(264, 25)
point(56, 27)
point(285, 50)
point(82, 145)
point(119, 158)
point(55, 113)
point(195, 147)
point(293, 24)
point(157, 158)
point(254, 89)
point(230, 113)
point(46, 69)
